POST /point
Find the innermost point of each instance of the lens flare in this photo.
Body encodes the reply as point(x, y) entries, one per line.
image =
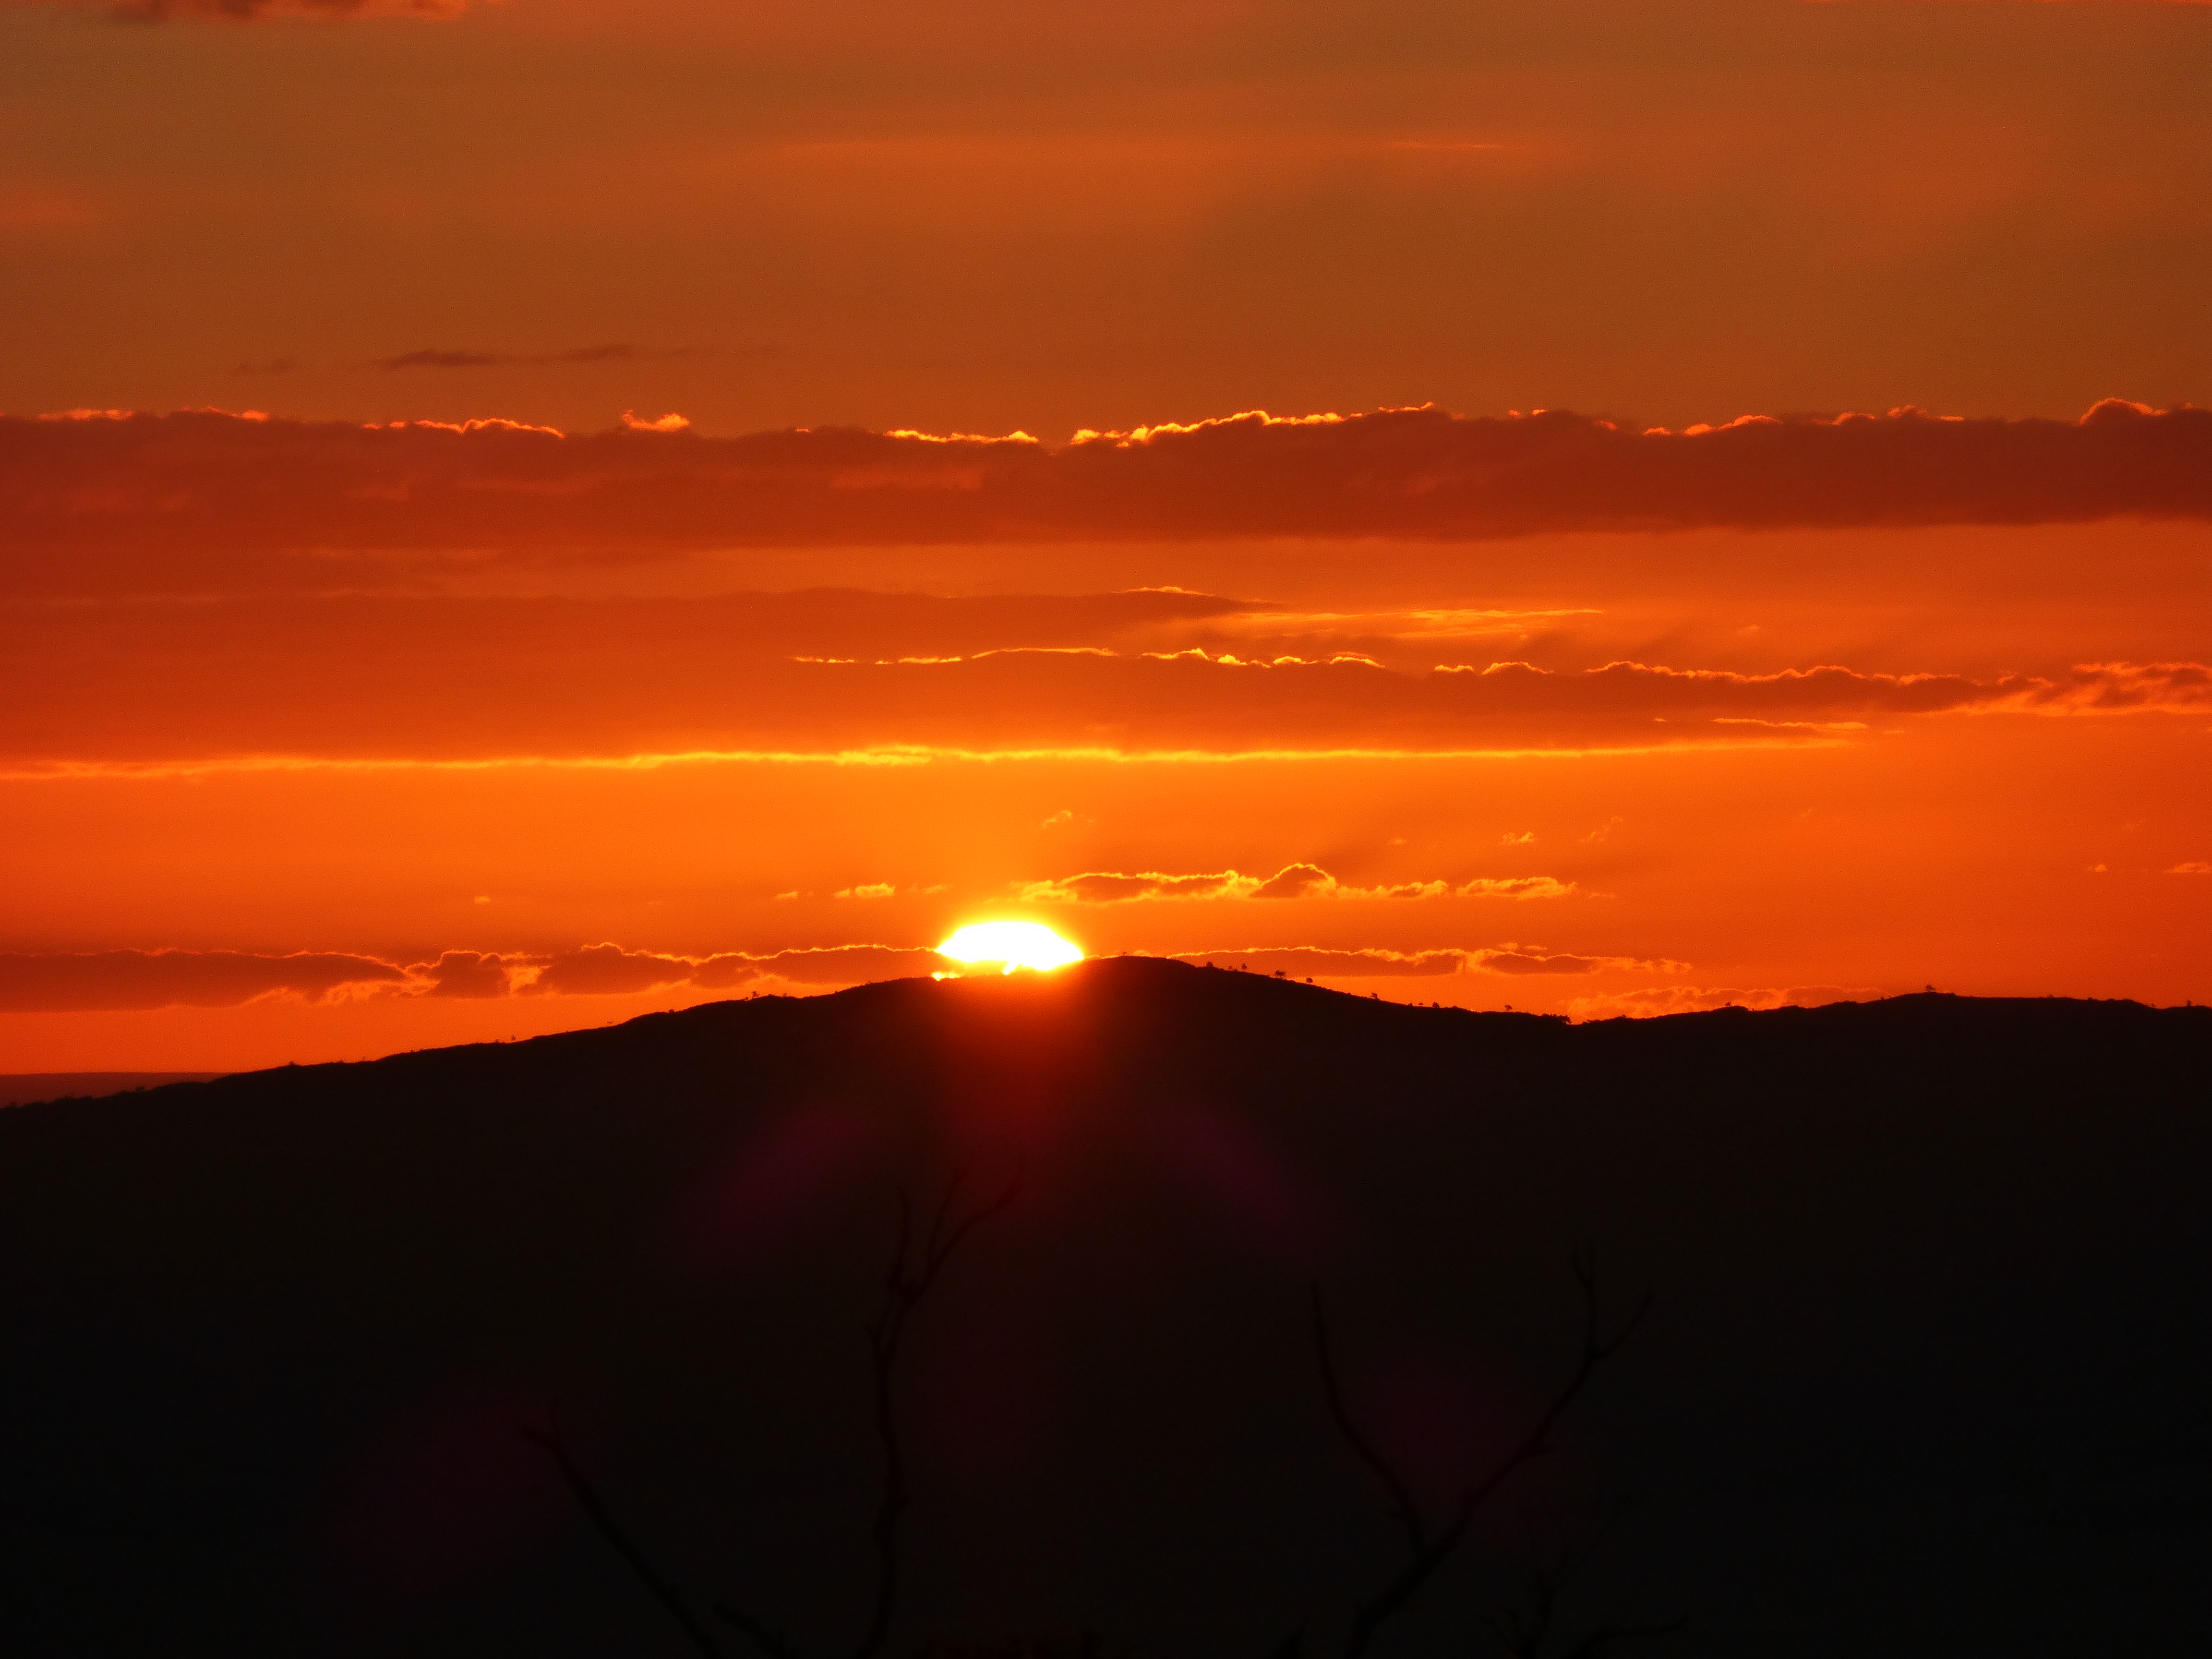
point(1011, 944)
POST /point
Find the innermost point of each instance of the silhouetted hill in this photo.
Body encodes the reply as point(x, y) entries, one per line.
point(1928, 1369)
point(17, 1087)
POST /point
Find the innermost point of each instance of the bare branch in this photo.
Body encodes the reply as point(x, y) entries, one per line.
point(907, 1281)
point(1370, 1615)
point(1606, 1635)
point(1401, 1496)
point(769, 1640)
point(905, 1284)
point(664, 1591)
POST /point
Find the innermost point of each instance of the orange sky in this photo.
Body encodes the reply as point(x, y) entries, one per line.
point(319, 739)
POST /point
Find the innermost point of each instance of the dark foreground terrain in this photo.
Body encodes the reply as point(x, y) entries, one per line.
point(1929, 1368)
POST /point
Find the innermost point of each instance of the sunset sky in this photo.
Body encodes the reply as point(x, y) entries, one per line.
point(516, 515)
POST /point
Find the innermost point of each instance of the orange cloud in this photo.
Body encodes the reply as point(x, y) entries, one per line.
point(112, 981)
point(116, 980)
point(1321, 962)
point(374, 679)
point(1114, 887)
point(224, 492)
point(1654, 1000)
point(1295, 881)
point(609, 970)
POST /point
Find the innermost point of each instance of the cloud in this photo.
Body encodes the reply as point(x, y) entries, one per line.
point(1515, 887)
point(117, 980)
point(114, 980)
point(609, 970)
point(438, 357)
point(217, 486)
point(1314, 961)
point(619, 682)
point(242, 11)
point(1321, 962)
point(1295, 881)
point(2192, 868)
point(469, 974)
point(1655, 1000)
point(2103, 688)
point(1535, 959)
point(1114, 887)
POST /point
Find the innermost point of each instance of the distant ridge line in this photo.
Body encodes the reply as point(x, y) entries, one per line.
point(29, 1088)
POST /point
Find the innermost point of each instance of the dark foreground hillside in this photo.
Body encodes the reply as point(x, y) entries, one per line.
point(1929, 1368)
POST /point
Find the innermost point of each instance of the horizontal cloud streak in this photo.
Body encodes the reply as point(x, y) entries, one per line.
point(464, 680)
point(1321, 961)
point(243, 11)
point(138, 492)
point(123, 980)
point(1296, 881)
point(1652, 1001)
point(115, 980)
point(438, 357)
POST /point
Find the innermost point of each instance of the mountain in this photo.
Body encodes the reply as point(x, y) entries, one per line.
point(1924, 1368)
point(18, 1087)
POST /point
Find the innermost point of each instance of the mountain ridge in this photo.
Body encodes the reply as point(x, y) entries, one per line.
point(1923, 1371)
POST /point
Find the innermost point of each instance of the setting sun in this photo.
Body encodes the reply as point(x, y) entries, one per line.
point(1015, 944)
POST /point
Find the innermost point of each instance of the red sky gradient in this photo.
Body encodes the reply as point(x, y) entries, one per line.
point(1852, 636)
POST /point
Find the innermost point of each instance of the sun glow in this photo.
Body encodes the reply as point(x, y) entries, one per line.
point(1012, 943)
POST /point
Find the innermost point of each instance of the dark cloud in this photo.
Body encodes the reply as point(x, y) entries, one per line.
point(115, 980)
point(1318, 962)
point(434, 357)
point(247, 11)
point(111, 980)
point(62, 983)
point(210, 487)
point(609, 970)
point(1651, 1001)
point(469, 974)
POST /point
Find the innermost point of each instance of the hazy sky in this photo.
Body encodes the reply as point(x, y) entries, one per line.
point(321, 735)
point(997, 214)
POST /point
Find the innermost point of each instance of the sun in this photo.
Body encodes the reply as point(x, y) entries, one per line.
point(1012, 943)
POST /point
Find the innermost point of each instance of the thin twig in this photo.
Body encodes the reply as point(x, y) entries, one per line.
point(1429, 1551)
point(906, 1283)
point(1402, 1505)
point(770, 1641)
point(665, 1591)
